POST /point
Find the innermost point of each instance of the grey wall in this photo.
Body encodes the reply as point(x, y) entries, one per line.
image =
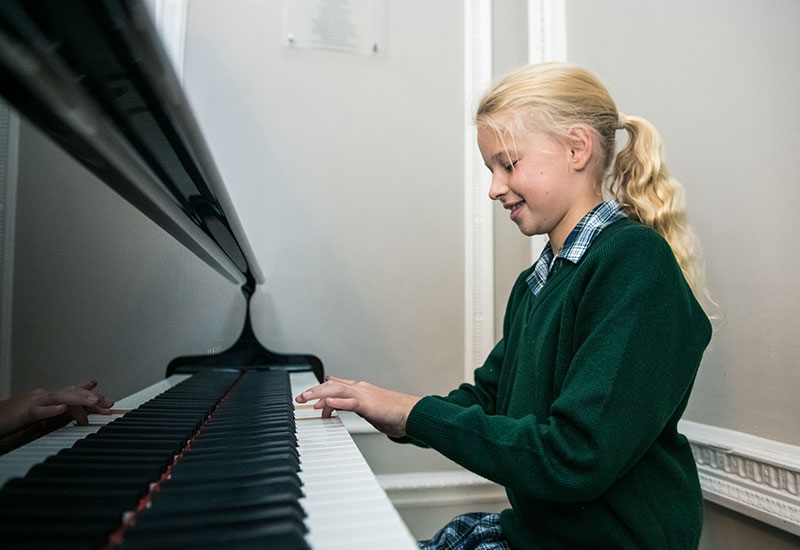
point(100, 292)
point(719, 80)
point(347, 174)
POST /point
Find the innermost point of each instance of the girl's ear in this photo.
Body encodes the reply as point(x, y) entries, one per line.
point(579, 147)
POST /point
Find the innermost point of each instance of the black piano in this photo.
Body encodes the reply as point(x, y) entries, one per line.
point(214, 457)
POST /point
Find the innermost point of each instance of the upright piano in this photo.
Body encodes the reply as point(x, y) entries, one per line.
point(216, 454)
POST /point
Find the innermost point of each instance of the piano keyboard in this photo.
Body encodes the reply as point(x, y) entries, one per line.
point(341, 499)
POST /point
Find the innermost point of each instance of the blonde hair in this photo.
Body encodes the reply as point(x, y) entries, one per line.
point(552, 98)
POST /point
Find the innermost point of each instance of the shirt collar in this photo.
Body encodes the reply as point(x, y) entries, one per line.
point(576, 243)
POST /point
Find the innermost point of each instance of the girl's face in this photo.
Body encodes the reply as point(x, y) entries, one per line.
point(533, 178)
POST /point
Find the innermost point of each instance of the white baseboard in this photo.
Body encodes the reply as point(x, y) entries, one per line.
point(430, 489)
point(754, 476)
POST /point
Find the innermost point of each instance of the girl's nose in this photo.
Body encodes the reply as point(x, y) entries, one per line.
point(498, 187)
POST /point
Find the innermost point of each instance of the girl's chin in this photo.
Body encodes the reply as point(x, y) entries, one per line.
point(527, 229)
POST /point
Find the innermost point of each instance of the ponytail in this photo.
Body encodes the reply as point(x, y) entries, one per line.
point(640, 183)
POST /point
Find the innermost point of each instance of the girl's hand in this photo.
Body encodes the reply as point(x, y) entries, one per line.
point(385, 409)
point(77, 401)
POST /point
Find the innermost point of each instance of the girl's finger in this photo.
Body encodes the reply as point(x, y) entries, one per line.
point(333, 388)
point(327, 412)
point(79, 415)
point(306, 395)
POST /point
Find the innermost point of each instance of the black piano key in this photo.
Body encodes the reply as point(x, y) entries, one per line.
point(94, 471)
point(241, 453)
point(94, 454)
point(220, 495)
point(123, 445)
point(214, 469)
point(159, 520)
point(286, 438)
point(236, 434)
point(233, 474)
point(27, 495)
point(287, 535)
point(222, 489)
point(58, 533)
point(61, 543)
point(123, 434)
point(61, 483)
point(242, 418)
point(232, 449)
point(160, 460)
point(133, 423)
point(109, 515)
point(180, 431)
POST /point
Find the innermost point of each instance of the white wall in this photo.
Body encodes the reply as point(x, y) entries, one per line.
point(346, 171)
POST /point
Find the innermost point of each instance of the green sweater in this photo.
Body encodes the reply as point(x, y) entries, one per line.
point(575, 411)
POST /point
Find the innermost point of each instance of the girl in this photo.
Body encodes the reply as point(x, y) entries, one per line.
point(575, 410)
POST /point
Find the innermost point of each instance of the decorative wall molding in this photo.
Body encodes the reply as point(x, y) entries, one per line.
point(478, 210)
point(547, 31)
point(430, 489)
point(754, 476)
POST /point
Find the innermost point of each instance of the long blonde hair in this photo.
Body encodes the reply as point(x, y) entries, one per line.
point(552, 98)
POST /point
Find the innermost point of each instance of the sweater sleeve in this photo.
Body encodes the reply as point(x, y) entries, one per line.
point(482, 394)
point(638, 336)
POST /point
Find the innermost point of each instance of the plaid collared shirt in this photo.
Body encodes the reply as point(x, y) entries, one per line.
point(576, 245)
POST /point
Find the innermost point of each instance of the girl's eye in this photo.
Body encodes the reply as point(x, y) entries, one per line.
point(510, 167)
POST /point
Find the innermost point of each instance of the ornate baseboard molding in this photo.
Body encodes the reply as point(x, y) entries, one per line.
point(754, 476)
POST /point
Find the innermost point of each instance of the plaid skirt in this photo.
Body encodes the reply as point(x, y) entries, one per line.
point(476, 531)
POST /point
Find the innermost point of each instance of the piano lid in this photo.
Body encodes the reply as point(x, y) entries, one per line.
point(95, 77)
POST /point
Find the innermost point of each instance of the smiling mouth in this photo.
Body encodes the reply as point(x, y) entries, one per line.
point(514, 207)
